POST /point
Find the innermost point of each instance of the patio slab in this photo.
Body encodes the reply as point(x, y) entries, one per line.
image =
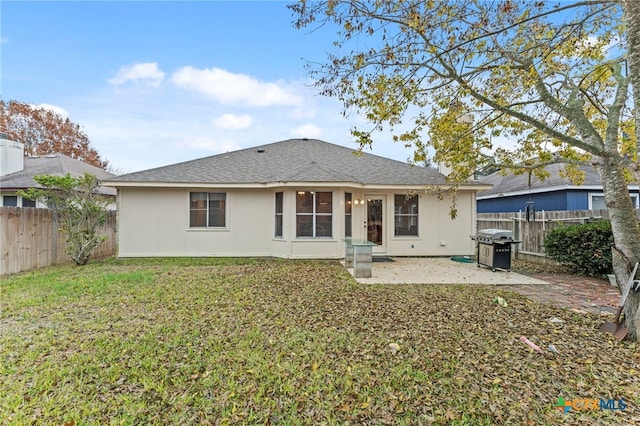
point(441, 270)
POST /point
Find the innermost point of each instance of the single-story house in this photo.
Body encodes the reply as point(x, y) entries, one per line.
point(298, 198)
point(510, 193)
point(17, 172)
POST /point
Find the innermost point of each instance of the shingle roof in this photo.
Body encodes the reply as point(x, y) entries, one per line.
point(293, 160)
point(512, 183)
point(53, 164)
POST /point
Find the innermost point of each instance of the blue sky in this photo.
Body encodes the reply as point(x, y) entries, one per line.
point(155, 83)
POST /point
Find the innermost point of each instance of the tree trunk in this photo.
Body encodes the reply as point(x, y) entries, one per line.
point(632, 305)
point(626, 234)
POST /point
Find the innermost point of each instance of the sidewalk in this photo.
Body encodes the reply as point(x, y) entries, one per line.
point(572, 292)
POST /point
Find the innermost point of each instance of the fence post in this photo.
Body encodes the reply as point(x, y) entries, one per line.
point(516, 236)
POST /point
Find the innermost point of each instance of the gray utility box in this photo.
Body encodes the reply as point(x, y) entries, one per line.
point(494, 248)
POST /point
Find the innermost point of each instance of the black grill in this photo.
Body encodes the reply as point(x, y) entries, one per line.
point(494, 248)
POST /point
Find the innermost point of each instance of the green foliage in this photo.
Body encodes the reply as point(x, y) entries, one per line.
point(80, 210)
point(262, 341)
point(586, 246)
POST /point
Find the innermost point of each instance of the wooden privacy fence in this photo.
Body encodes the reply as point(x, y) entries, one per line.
point(29, 238)
point(532, 234)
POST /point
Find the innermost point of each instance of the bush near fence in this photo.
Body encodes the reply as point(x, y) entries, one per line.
point(532, 234)
point(29, 238)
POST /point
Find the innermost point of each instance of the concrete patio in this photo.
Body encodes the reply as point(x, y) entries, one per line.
point(440, 270)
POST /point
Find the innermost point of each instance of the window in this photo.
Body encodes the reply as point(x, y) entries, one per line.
point(10, 200)
point(597, 202)
point(314, 214)
point(28, 203)
point(279, 209)
point(406, 215)
point(208, 210)
point(347, 214)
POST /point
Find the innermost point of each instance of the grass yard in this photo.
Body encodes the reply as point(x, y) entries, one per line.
point(264, 341)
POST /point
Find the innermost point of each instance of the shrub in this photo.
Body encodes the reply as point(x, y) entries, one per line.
point(586, 246)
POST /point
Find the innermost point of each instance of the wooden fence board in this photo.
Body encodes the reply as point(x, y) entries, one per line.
point(29, 239)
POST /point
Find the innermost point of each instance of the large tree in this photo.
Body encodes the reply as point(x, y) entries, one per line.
point(44, 131)
point(453, 78)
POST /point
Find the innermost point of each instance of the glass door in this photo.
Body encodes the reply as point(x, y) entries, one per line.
point(375, 222)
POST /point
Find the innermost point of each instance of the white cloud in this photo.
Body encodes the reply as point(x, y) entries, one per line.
point(229, 88)
point(306, 131)
point(56, 109)
point(142, 73)
point(232, 121)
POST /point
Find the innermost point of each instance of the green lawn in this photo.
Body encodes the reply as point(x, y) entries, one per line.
point(263, 341)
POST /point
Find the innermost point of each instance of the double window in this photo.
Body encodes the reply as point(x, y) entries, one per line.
point(406, 215)
point(15, 201)
point(314, 217)
point(208, 210)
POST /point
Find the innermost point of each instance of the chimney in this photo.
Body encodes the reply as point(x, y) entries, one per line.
point(11, 156)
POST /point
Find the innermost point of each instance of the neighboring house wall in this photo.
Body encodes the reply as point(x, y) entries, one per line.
point(556, 200)
point(511, 192)
point(155, 223)
point(587, 199)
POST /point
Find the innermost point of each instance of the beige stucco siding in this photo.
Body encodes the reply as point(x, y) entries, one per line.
point(154, 222)
point(438, 234)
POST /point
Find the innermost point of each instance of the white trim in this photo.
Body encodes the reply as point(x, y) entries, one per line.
point(356, 185)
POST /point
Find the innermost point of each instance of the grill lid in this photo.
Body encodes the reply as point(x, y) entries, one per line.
point(495, 234)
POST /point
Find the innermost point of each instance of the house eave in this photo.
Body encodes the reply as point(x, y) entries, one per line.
point(548, 189)
point(295, 184)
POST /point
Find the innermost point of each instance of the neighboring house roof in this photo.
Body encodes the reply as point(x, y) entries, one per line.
point(293, 160)
point(519, 184)
point(52, 164)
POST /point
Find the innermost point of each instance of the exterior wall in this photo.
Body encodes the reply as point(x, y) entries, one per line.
point(155, 223)
point(554, 200)
point(577, 200)
point(549, 201)
point(11, 156)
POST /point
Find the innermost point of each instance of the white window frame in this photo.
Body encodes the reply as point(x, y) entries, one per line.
point(314, 215)
point(226, 210)
point(413, 215)
point(279, 214)
point(635, 199)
